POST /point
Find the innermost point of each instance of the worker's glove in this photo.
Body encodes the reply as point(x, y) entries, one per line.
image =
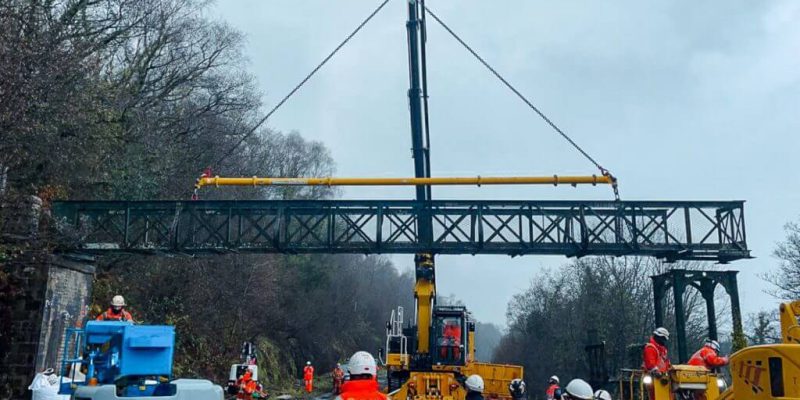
point(726, 360)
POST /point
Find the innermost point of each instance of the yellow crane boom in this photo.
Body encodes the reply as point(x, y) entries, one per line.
point(477, 180)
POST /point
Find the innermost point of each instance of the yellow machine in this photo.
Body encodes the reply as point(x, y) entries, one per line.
point(431, 358)
point(770, 371)
point(683, 382)
point(762, 372)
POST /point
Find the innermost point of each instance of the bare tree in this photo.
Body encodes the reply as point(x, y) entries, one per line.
point(762, 328)
point(549, 323)
point(787, 279)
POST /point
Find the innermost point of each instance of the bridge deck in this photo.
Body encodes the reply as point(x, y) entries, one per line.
point(669, 230)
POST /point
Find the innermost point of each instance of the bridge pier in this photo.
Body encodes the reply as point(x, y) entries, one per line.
point(49, 294)
point(41, 294)
point(705, 282)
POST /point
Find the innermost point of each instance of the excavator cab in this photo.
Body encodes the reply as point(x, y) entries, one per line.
point(450, 339)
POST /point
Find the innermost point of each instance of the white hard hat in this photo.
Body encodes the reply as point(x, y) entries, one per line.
point(579, 389)
point(118, 301)
point(713, 344)
point(663, 332)
point(362, 363)
point(554, 379)
point(602, 395)
point(308, 362)
point(474, 383)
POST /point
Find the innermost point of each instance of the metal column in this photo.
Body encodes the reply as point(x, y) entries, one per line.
point(678, 288)
point(707, 287)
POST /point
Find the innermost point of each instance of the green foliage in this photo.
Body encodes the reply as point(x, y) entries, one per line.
point(738, 341)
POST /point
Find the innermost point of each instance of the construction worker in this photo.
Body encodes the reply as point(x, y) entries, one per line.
point(708, 356)
point(655, 359)
point(338, 378)
point(517, 389)
point(451, 341)
point(308, 377)
point(116, 311)
point(602, 395)
point(553, 390)
point(248, 387)
point(363, 384)
point(474, 385)
point(578, 389)
point(654, 355)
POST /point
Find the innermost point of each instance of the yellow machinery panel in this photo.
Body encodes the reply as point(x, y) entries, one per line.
point(496, 377)
point(682, 381)
point(429, 386)
point(400, 361)
point(441, 383)
point(765, 372)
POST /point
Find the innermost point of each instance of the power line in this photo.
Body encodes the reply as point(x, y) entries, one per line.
point(525, 99)
point(302, 82)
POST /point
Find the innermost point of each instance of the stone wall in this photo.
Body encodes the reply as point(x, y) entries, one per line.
point(25, 280)
point(41, 295)
point(69, 291)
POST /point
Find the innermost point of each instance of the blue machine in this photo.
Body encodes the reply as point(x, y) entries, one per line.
point(137, 359)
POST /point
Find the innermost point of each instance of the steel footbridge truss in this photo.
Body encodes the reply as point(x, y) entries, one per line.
point(712, 231)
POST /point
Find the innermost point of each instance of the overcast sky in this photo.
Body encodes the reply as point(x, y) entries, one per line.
point(682, 100)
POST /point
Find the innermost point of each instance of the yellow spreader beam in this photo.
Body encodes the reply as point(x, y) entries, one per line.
point(478, 180)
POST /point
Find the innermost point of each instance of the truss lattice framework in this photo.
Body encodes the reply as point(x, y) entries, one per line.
point(669, 230)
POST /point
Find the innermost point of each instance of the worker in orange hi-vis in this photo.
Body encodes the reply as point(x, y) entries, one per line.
point(363, 384)
point(656, 358)
point(338, 378)
point(708, 356)
point(246, 385)
point(116, 312)
point(308, 377)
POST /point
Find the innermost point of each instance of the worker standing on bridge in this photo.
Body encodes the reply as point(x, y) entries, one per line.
point(474, 386)
point(708, 356)
point(116, 312)
point(308, 377)
point(553, 390)
point(363, 383)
